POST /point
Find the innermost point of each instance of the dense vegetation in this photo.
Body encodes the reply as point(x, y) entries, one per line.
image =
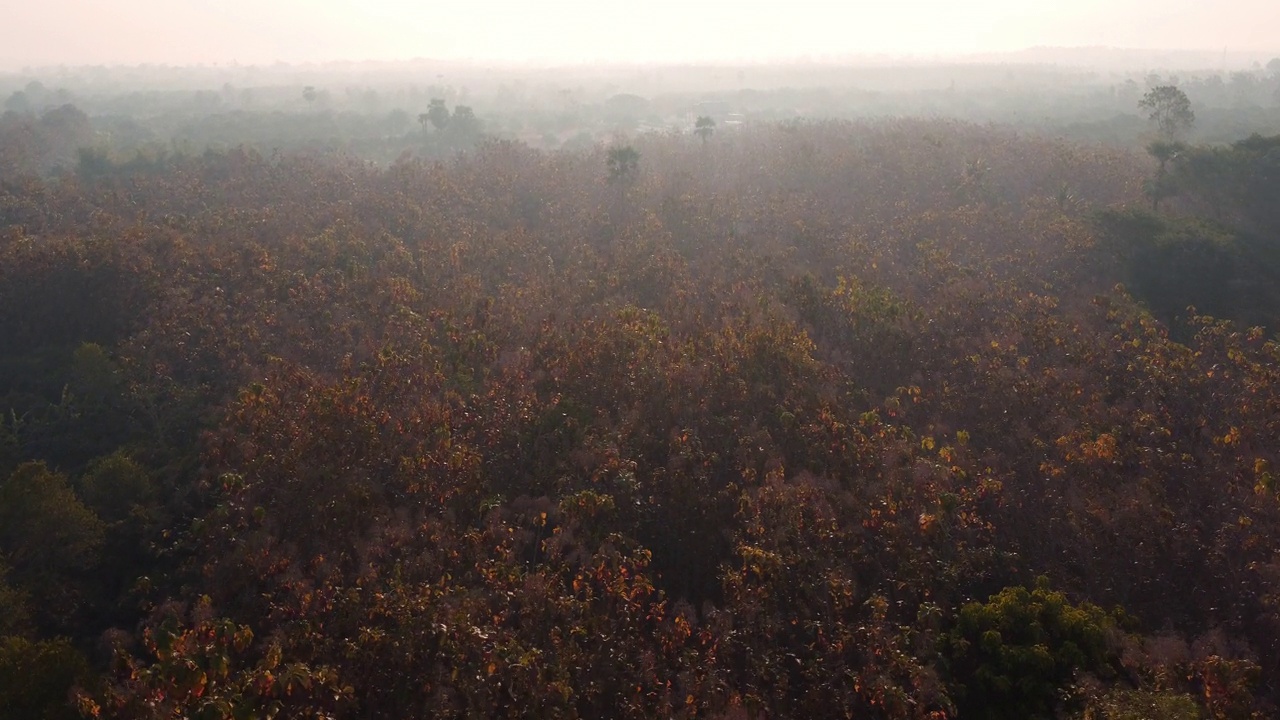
point(872, 420)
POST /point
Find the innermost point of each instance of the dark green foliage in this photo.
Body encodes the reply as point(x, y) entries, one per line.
point(437, 114)
point(1237, 184)
point(43, 526)
point(463, 124)
point(1162, 185)
point(704, 127)
point(115, 487)
point(49, 539)
point(37, 679)
point(10, 450)
point(1223, 259)
point(1011, 657)
point(1173, 263)
point(623, 163)
point(65, 406)
point(15, 619)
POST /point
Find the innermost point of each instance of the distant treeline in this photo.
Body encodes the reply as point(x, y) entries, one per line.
point(374, 113)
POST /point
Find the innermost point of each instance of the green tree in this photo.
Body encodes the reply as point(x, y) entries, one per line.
point(1160, 187)
point(705, 127)
point(48, 537)
point(43, 525)
point(115, 485)
point(463, 124)
point(437, 114)
point(623, 163)
point(36, 678)
point(1168, 107)
point(1011, 657)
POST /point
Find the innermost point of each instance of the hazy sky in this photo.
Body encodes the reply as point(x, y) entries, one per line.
point(73, 32)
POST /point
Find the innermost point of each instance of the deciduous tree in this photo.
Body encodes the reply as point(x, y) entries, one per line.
point(1170, 110)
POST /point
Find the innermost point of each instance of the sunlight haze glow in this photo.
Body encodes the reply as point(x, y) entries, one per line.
point(76, 32)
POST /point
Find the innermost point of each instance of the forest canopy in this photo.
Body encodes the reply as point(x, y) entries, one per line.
point(886, 418)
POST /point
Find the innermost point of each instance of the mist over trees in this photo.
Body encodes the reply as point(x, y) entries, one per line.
point(436, 390)
point(376, 111)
